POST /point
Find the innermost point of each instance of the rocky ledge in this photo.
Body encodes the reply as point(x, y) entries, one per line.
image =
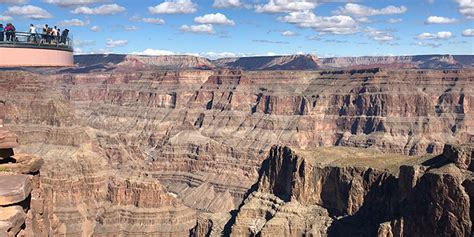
point(352, 192)
point(21, 203)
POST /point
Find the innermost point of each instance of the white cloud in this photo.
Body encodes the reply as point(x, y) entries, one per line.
point(107, 9)
point(466, 7)
point(174, 7)
point(437, 36)
point(154, 52)
point(354, 9)
point(151, 20)
point(394, 20)
point(6, 18)
point(468, 33)
point(29, 11)
point(73, 22)
point(339, 25)
point(288, 33)
point(427, 44)
point(217, 18)
point(226, 3)
point(14, 1)
point(83, 43)
point(95, 28)
point(130, 28)
point(203, 28)
point(69, 3)
point(274, 6)
point(116, 43)
point(380, 36)
point(270, 41)
point(440, 20)
point(78, 51)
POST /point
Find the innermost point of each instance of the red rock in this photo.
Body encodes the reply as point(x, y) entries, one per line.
point(14, 188)
point(24, 164)
point(462, 156)
point(7, 139)
point(11, 220)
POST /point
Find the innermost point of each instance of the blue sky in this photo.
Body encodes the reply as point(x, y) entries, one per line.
point(218, 28)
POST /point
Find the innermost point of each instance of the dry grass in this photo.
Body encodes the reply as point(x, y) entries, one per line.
point(359, 157)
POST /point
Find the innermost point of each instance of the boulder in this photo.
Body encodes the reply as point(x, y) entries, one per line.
point(461, 155)
point(24, 164)
point(7, 139)
point(11, 220)
point(14, 189)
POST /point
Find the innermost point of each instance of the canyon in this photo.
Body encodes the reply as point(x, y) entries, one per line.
point(264, 146)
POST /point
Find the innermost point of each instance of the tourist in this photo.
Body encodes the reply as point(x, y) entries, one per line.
point(10, 32)
point(58, 37)
point(13, 35)
point(49, 35)
point(1, 32)
point(54, 33)
point(32, 31)
point(45, 33)
point(64, 36)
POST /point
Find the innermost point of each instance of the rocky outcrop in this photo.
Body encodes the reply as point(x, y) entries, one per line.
point(462, 156)
point(353, 193)
point(21, 207)
point(438, 205)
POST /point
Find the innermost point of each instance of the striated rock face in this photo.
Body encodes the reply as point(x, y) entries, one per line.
point(366, 196)
point(129, 151)
point(438, 205)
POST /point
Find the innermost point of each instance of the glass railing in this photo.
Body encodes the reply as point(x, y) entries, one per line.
point(29, 40)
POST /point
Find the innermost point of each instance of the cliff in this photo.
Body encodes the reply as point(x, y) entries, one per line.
point(354, 192)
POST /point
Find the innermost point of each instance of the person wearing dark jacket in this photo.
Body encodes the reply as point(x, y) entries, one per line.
point(9, 30)
point(64, 36)
point(1, 32)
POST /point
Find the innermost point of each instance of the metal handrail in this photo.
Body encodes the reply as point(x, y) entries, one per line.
point(36, 40)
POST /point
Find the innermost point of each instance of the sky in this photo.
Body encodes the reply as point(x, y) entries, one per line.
point(228, 28)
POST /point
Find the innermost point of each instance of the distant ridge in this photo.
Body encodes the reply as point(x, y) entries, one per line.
point(312, 62)
point(118, 62)
point(122, 62)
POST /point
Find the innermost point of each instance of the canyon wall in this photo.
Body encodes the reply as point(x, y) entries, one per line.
point(162, 152)
point(349, 192)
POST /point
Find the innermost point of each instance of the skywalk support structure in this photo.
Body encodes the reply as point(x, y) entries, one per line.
point(36, 50)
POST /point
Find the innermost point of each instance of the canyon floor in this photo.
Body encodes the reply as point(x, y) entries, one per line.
point(279, 146)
